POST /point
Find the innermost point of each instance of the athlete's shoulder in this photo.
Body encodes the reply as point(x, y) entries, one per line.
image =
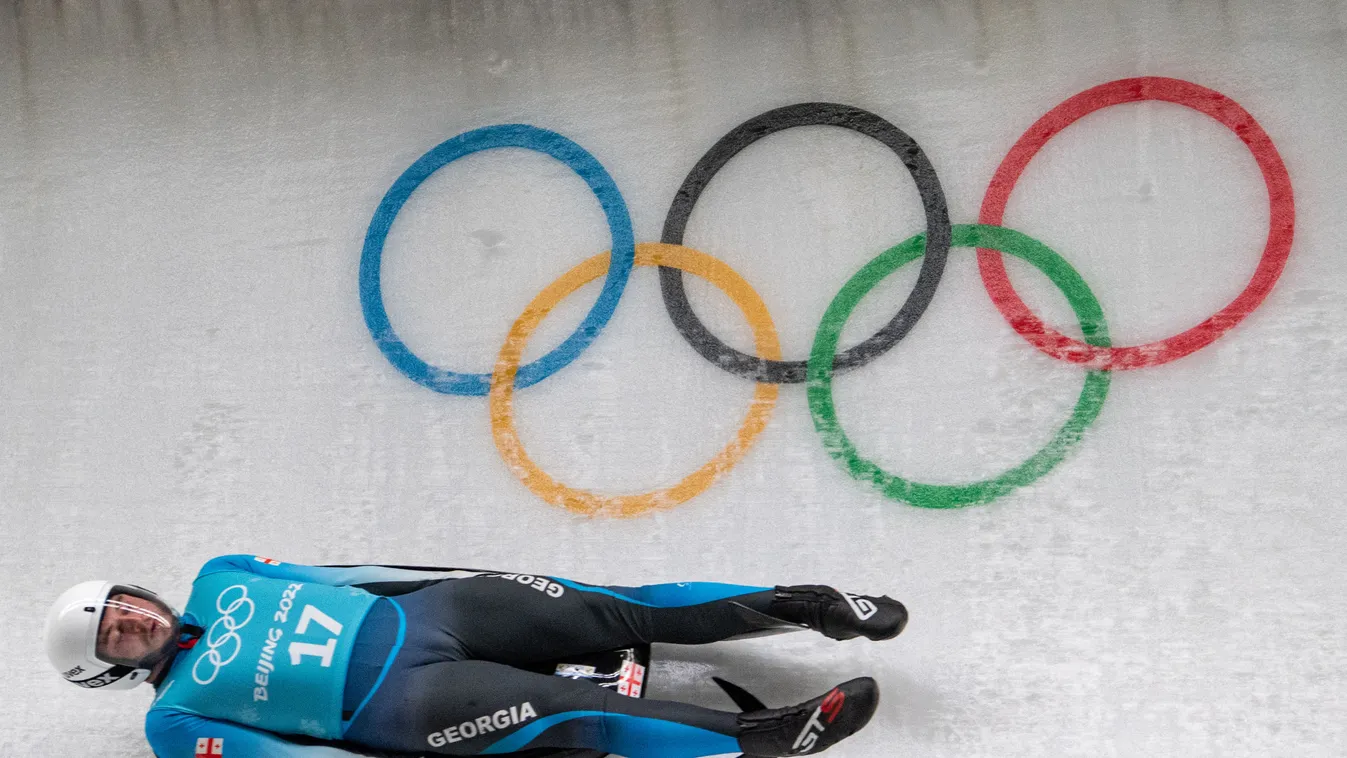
point(175, 732)
point(166, 727)
point(159, 717)
point(239, 562)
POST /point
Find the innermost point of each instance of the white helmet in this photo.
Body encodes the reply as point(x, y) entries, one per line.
point(85, 658)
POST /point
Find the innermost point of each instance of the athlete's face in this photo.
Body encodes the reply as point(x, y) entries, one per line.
point(131, 628)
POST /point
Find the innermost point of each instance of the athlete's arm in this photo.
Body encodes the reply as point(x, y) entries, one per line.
point(179, 734)
point(380, 580)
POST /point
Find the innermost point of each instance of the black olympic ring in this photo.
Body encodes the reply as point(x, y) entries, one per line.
point(807, 114)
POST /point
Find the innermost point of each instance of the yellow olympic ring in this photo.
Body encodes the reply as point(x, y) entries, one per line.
point(501, 393)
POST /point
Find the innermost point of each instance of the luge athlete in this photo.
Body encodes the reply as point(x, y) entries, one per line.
point(276, 660)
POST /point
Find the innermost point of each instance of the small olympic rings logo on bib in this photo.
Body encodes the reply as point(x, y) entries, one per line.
point(230, 601)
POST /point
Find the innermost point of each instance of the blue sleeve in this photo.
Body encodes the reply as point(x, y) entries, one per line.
point(393, 579)
point(179, 734)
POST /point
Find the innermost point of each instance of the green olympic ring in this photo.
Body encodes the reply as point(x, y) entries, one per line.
point(820, 370)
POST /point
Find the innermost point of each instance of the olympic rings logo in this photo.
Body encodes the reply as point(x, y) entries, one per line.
point(230, 637)
point(766, 368)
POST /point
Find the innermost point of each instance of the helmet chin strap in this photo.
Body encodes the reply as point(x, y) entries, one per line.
point(187, 637)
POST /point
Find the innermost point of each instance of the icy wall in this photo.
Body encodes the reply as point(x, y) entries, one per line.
point(267, 271)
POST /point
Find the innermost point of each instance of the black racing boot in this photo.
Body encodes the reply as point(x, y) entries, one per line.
point(840, 615)
point(810, 727)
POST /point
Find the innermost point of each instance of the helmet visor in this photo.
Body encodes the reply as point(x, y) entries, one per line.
point(135, 628)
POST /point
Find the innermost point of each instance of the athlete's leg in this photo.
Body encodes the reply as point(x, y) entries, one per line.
point(476, 707)
point(518, 619)
point(471, 707)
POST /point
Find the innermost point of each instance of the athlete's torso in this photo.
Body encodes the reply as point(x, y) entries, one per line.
point(274, 654)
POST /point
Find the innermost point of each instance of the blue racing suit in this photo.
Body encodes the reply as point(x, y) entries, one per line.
point(331, 662)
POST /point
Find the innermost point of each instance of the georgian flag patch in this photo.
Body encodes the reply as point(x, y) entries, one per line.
point(631, 679)
point(210, 747)
point(268, 561)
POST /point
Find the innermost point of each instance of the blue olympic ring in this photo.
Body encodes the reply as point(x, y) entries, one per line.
point(578, 160)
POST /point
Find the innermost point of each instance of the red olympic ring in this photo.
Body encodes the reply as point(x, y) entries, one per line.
point(1281, 222)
